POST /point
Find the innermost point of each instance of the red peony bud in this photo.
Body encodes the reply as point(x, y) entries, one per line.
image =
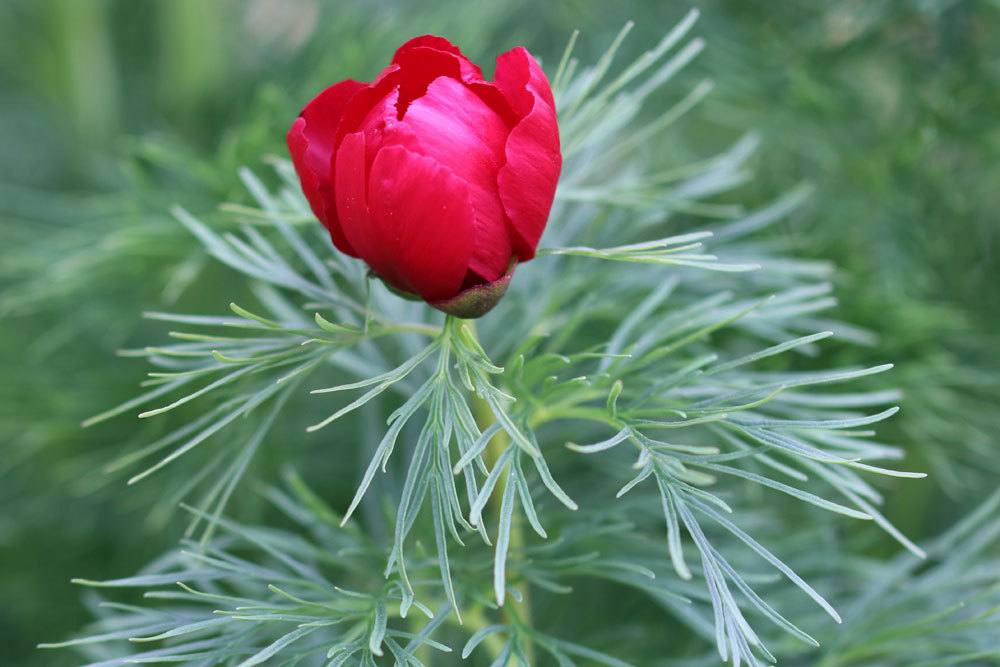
point(440, 180)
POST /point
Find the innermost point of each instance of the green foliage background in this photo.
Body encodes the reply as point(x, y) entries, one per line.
point(112, 110)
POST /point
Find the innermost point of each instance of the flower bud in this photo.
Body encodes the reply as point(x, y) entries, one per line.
point(439, 180)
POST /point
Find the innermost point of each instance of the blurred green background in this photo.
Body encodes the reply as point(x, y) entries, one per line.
point(112, 110)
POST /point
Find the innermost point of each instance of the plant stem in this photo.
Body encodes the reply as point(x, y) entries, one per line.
point(515, 614)
point(428, 330)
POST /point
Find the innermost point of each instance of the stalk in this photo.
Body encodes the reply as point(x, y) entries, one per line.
point(515, 614)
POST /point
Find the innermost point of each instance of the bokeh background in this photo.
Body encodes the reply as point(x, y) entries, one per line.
point(112, 110)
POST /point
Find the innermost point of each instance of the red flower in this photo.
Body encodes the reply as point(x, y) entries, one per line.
point(440, 180)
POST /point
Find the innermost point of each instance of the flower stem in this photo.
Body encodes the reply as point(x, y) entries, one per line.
point(515, 614)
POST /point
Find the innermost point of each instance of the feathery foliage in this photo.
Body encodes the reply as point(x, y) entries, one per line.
point(672, 365)
point(676, 379)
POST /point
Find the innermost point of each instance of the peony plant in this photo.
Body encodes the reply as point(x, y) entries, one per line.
point(611, 423)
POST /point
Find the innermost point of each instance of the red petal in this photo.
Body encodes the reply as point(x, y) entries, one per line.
point(469, 70)
point(364, 100)
point(414, 57)
point(378, 124)
point(423, 59)
point(494, 99)
point(454, 127)
point(527, 182)
point(412, 70)
point(350, 177)
point(311, 144)
point(421, 219)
